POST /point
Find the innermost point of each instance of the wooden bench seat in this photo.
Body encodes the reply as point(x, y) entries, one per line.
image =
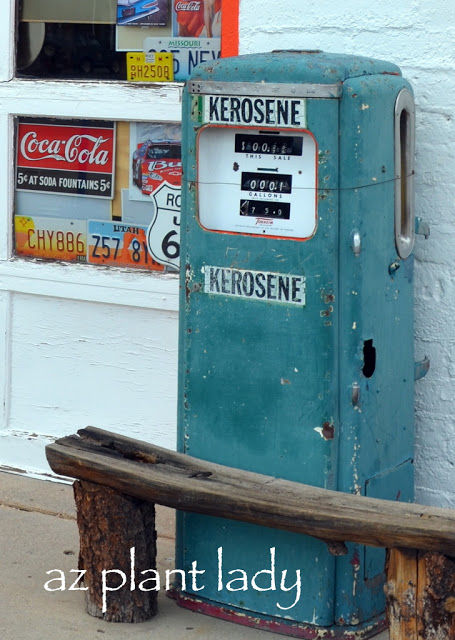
point(418, 538)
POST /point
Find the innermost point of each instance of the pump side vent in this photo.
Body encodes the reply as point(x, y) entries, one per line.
point(404, 172)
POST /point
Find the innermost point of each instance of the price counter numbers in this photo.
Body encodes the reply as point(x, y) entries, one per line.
point(266, 182)
point(277, 145)
point(150, 67)
point(258, 209)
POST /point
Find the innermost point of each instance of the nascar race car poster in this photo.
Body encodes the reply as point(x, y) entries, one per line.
point(155, 158)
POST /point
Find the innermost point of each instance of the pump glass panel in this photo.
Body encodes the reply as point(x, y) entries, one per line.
point(257, 182)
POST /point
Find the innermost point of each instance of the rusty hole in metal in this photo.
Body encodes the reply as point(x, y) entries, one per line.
point(369, 358)
point(328, 431)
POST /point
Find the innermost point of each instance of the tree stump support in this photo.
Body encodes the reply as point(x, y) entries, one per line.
point(117, 534)
point(420, 592)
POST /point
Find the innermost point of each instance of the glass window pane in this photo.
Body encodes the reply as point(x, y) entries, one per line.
point(89, 39)
point(98, 192)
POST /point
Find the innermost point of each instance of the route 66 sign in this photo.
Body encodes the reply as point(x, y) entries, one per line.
point(163, 234)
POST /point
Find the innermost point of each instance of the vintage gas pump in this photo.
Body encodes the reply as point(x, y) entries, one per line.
point(296, 334)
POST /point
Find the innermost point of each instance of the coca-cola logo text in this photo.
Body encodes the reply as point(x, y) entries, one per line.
point(66, 148)
point(72, 150)
point(193, 5)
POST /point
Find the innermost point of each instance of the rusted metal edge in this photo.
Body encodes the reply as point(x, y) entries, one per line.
point(272, 89)
point(305, 631)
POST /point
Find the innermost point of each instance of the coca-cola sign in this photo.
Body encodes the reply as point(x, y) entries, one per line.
point(65, 147)
point(191, 5)
point(66, 157)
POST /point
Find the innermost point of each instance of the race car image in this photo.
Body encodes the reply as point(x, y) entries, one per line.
point(155, 163)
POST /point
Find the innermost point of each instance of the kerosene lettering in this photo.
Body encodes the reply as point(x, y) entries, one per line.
point(214, 282)
point(260, 289)
point(224, 109)
point(270, 112)
point(224, 282)
point(247, 284)
point(283, 110)
point(235, 109)
point(259, 285)
point(247, 110)
point(274, 112)
point(259, 117)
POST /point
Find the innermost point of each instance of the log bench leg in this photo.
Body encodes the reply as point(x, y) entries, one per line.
point(420, 591)
point(110, 525)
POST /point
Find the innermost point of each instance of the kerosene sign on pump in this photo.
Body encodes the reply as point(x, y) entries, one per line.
point(296, 332)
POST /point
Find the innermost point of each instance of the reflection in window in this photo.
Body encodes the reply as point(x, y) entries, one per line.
point(88, 39)
point(69, 51)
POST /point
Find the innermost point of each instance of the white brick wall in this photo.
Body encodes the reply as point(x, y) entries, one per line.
point(418, 36)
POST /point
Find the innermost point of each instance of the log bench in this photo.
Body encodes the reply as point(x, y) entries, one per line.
point(119, 480)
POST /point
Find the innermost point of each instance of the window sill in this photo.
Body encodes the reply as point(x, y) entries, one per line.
point(93, 99)
point(88, 283)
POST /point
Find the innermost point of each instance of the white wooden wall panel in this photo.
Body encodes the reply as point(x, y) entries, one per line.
point(76, 363)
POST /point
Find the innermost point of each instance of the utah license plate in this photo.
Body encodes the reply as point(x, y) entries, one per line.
point(119, 244)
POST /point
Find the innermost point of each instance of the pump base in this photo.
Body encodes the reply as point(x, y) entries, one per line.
point(267, 623)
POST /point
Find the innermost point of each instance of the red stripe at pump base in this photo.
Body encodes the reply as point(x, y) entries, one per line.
point(291, 629)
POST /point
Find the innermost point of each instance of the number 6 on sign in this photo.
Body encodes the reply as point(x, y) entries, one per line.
point(163, 234)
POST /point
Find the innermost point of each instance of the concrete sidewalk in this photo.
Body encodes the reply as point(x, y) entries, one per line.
point(38, 532)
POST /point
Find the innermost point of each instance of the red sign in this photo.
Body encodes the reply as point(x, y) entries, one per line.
point(195, 20)
point(66, 158)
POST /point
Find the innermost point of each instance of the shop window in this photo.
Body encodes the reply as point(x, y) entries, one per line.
point(90, 39)
point(98, 192)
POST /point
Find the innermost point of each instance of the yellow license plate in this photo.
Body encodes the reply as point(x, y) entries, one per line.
point(150, 67)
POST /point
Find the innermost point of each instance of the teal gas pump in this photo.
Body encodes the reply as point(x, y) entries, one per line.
point(296, 332)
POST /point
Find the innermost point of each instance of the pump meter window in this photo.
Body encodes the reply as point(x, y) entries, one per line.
point(257, 182)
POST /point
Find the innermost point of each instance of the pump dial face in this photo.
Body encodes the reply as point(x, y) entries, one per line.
point(257, 182)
